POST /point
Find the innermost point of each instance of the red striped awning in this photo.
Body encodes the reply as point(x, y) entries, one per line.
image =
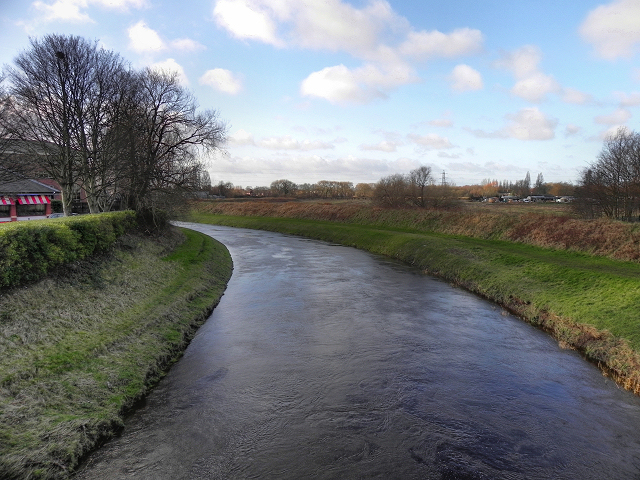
point(33, 200)
point(6, 201)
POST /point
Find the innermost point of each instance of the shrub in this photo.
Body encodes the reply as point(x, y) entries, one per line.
point(30, 250)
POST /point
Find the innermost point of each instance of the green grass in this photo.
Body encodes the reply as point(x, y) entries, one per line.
point(78, 350)
point(587, 302)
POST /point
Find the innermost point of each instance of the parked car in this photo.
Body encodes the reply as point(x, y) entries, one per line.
point(56, 215)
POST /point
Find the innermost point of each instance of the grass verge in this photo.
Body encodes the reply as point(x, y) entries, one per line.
point(78, 349)
point(589, 303)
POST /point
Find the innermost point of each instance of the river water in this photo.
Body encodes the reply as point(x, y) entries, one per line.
point(322, 361)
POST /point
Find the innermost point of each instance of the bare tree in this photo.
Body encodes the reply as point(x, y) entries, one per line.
point(164, 135)
point(84, 119)
point(283, 187)
point(420, 179)
point(392, 191)
point(102, 90)
point(611, 185)
point(540, 188)
point(46, 88)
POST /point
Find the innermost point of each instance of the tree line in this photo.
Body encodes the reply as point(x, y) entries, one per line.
point(417, 188)
point(327, 189)
point(80, 115)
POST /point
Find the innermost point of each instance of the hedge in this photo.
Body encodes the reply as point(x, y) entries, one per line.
point(31, 249)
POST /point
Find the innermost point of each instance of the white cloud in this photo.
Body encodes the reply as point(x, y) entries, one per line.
point(222, 80)
point(453, 156)
point(288, 143)
point(338, 26)
point(337, 85)
point(522, 62)
point(531, 124)
point(317, 24)
point(186, 45)
point(571, 95)
point(618, 117)
point(143, 39)
point(373, 33)
point(341, 85)
point(571, 129)
point(628, 100)
point(430, 141)
point(62, 10)
point(75, 10)
point(122, 5)
point(246, 19)
point(170, 66)
point(463, 78)
point(612, 29)
point(423, 45)
point(384, 146)
point(531, 84)
point(441, 122)
point(241, 137)
point(527, 124)
point(535, 87)
point(307, 168)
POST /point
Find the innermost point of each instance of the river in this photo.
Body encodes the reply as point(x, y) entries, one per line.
point(326, 362)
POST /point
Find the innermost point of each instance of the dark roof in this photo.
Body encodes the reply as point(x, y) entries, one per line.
point(26, 186)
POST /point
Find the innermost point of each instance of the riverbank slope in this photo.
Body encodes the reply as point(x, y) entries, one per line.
point(79, 348)
point(588, 300)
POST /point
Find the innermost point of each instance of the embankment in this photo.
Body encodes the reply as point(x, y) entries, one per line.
point(584, 291)
point(79, 348)
point(549, 226)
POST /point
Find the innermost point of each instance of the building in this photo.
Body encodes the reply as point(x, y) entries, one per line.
point(25, 199)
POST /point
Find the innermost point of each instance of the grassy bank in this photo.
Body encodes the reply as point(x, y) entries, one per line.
point(586, 302)
point(79, 348)
point(545, 225)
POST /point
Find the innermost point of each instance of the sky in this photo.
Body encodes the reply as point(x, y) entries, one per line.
point(358, 90)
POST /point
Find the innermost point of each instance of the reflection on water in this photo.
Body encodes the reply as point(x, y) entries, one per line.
point(326, 362)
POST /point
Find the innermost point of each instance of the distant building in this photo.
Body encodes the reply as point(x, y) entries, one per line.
point(25, 199)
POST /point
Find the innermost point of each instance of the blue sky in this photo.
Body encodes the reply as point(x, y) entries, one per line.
point(354, 91)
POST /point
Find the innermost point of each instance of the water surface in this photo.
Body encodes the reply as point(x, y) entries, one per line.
point(326, 362)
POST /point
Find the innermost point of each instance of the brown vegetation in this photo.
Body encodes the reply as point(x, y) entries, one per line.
point(551, 226)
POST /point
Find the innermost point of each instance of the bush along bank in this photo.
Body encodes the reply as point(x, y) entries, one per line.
point(31, 250)
point(78, 349)
point(588, 303)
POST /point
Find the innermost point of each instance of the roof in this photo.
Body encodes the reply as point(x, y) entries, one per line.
point(26, 186)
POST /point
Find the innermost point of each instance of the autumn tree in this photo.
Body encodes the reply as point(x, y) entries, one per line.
point(561, 189)
point(364, 190)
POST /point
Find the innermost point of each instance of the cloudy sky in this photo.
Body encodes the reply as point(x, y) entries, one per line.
point(357, 90)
